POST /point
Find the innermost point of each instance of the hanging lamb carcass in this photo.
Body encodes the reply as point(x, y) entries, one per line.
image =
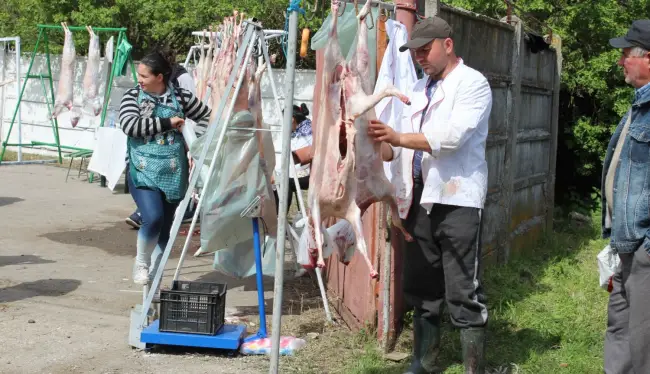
point(346, 179)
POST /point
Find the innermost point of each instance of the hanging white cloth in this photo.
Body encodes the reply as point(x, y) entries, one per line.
point(398, 70)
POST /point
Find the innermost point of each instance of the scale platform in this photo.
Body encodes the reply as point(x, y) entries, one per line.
point(228, 337)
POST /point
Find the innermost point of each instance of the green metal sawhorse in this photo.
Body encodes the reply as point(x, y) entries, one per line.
point(79, 154)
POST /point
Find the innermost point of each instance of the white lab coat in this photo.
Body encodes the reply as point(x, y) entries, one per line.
point(397, 70)
point(456, 127)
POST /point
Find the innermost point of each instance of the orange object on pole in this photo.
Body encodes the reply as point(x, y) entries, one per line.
point(304, 42)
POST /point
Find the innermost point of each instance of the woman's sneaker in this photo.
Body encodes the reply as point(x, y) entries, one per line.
point(141, 274)
point(189, 214)
point(134, 220)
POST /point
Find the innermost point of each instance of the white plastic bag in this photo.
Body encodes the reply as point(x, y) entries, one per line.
point(608, 261)
point(339, 237)
point(288, 346)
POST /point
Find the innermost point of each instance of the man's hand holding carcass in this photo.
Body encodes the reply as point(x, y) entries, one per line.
point(381, 132)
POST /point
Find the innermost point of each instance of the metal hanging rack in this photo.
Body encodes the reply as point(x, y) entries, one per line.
point(141, 333)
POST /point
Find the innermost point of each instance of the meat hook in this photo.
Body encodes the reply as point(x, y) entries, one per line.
point(345, 4)
point(313, 12)
point(383, 15)
point(371, 20)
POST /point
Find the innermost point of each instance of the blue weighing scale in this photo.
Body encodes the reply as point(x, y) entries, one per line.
point(229, 336)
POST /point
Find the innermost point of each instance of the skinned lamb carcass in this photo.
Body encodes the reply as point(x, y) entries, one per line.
point(64, 94)
point(91, 76)
point(340, 175)
point(108, 50)
point(199, 71)
point(224, 63)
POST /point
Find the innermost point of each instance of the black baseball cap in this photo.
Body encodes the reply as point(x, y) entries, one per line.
point(426, 30)
point(637, 36)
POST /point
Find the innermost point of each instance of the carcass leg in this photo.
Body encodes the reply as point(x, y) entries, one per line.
point(366, 103)
point(361, 59)
point(317, 227)
point(397, 221)
point(354, 217)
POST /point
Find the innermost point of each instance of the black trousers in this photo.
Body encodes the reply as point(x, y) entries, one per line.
point(304, 186)
point(443, 262)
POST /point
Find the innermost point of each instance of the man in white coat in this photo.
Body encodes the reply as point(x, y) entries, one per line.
point(439, 170)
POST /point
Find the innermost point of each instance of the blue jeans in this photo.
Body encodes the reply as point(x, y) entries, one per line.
point(157, 218)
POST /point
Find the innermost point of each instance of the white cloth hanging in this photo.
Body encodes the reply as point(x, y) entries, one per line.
point(398, 70)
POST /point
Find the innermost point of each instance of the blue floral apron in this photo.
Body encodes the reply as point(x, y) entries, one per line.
point(159, 162)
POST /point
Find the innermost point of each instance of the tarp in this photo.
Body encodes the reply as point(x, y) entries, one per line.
point(237, 179)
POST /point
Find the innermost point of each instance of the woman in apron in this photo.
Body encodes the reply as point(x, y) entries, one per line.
point(152, 115)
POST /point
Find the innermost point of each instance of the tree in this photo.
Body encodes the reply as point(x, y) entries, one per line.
point(594, 95)
point(150, 23)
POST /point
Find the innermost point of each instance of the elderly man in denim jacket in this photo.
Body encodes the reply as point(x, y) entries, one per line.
point(626, 213)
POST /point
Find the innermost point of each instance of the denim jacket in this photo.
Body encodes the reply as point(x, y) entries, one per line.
point(630, 218)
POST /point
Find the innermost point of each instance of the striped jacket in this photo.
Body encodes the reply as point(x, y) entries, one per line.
point(136, 126)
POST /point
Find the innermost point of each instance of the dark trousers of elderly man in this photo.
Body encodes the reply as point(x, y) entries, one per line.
point(626, 213)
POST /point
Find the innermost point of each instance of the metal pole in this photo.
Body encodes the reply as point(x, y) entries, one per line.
point(55, 122)
point(20, 124)
point(83, 28)
point(22, 92)
point(259, 277)
point(284, 189)
point(3, 62)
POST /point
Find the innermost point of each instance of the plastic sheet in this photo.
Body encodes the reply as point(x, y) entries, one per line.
point(608, 261)
point(239, 176)
point(347, 34)
point(338, 237)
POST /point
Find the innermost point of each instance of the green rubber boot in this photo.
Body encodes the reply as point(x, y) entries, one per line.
point(426, 345)
point(473, 343)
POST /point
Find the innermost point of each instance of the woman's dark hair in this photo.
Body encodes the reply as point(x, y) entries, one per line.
point(159, 64)
point(301, 112)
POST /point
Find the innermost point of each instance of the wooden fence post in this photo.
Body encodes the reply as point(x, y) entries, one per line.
point(556, 43)
point(513, 106)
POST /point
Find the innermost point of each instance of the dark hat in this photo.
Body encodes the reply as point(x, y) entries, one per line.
point(425, 31)
point(637, 36)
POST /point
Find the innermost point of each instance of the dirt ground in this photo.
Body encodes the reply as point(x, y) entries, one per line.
point(66, 294)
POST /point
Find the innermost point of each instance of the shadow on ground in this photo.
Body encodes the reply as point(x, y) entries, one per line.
point(42, 287)
point(8, 200)
point(23, 260)
point(300, 294)
point(118, 239)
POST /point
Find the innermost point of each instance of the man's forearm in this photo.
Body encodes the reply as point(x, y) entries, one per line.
point(414, 141)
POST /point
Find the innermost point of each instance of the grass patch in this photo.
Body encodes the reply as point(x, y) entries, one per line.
point(13, 156)
point(547, 313)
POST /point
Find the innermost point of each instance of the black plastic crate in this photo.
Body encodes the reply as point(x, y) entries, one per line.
point(193, 307)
